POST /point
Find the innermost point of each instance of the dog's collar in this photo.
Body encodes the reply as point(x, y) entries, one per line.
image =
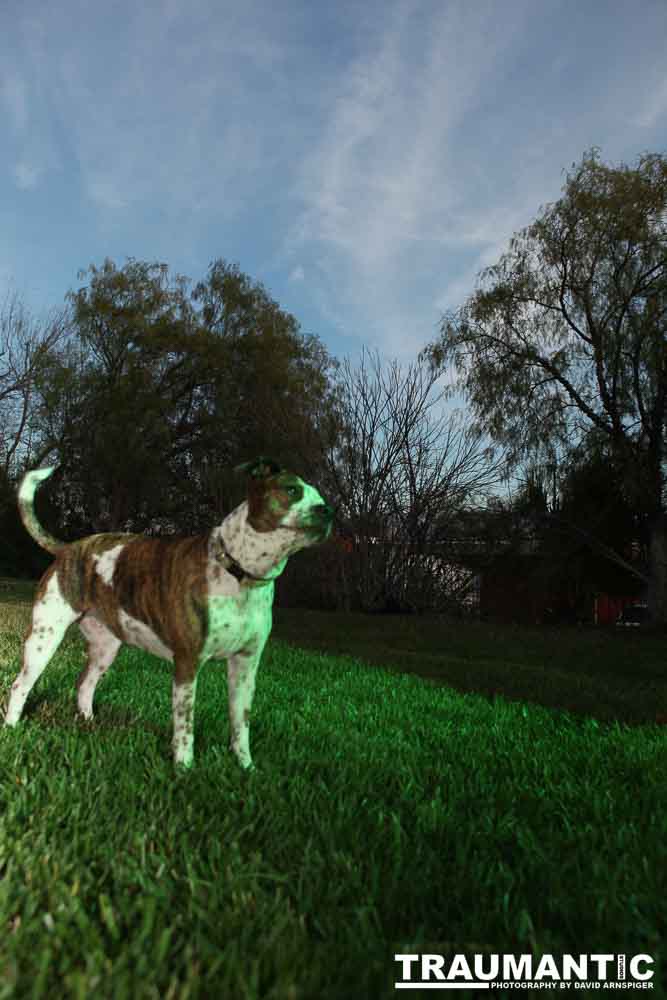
point(237, 570)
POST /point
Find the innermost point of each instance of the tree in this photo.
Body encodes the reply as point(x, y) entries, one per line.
point(595, 511)
point(276, 378)
point(162, 398)
point(564, 338)
point(24, 349)
point(400, 480)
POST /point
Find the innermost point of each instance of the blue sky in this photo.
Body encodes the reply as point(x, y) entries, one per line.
point(363, 160)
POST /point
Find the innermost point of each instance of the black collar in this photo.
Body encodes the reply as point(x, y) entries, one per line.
point(237, 570)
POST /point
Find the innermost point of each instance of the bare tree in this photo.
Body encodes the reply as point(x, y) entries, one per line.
point(24, 347)
point(399, 477)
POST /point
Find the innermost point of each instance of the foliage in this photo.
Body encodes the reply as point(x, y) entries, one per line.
point(564, 339)
point(161, 392)
point(566, 333)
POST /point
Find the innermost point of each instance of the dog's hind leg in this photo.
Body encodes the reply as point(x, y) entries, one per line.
point(51, 616)
point(102, 648)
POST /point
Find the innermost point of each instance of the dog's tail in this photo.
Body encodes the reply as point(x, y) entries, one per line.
point(26, 496)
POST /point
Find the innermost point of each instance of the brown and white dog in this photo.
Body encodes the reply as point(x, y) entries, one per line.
point(185, 599)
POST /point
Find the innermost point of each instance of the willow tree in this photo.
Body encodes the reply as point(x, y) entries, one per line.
point(563, 341)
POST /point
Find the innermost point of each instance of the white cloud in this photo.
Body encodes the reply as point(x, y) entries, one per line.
point(104, 191)
point(160, 106)
point(27, 175)
point(382, 192)
point(13, 92)
point(378, 155)
point(655, 107)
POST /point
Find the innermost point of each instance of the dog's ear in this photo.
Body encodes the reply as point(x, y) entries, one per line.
point(260, 468)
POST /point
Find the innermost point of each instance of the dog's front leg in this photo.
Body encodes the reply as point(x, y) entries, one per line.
point(183, 703)
point(241, 673)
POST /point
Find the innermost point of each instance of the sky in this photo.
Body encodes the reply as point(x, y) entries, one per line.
point(363, 160)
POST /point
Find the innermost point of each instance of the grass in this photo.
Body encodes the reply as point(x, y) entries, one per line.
point(386, 814)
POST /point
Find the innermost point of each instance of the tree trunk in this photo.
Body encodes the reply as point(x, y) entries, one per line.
point(657, 589)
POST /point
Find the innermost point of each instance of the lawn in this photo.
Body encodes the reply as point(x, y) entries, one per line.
point(514, 801)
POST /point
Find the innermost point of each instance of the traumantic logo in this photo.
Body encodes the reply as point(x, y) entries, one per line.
point(551, 972)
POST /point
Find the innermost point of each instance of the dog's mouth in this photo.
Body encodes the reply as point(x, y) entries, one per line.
point(320, 523)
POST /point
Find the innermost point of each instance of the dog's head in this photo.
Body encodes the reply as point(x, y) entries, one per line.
point(279, 499)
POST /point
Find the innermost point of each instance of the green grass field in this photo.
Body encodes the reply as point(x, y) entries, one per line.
point(514, 801)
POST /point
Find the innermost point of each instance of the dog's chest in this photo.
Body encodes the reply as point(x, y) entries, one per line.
point(236, 621)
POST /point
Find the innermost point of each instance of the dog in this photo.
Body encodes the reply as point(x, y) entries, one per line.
point(184, 599)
